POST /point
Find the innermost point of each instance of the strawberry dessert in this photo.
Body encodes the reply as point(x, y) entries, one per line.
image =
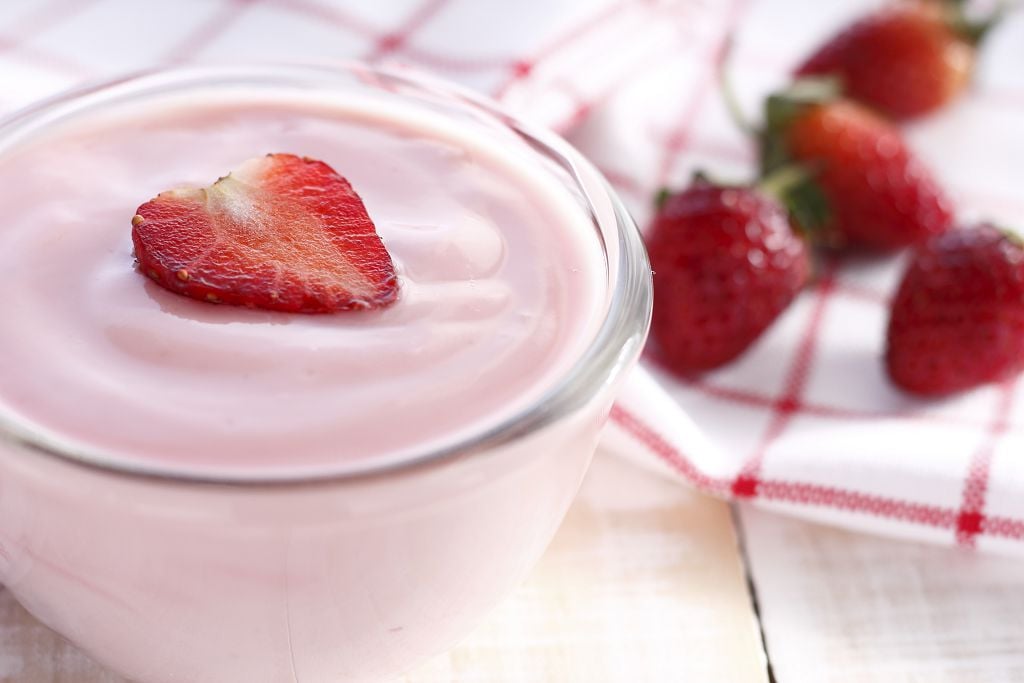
point(359, 286)
point(300, 366)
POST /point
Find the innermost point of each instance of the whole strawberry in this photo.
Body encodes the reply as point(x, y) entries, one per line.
point(726, 264)
point(904, 60)
point(958, 317)
point(865, 187)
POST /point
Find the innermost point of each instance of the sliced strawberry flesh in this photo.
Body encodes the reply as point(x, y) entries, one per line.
point(280, 233)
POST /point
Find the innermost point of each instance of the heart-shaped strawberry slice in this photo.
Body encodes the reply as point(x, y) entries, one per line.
point(281, 233)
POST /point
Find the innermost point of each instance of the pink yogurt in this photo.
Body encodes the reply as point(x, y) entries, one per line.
point(201, 494)
point(502, 284)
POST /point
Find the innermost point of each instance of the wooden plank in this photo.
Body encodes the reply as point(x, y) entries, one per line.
point(642, 584)
point(839, 607)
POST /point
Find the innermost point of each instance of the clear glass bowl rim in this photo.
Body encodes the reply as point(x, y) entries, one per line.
point(612, 350)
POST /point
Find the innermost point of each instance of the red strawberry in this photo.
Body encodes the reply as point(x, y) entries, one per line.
point(281, 233)
point(905, 60)
point(726, 264)
point(865, 186)
point(958, 317)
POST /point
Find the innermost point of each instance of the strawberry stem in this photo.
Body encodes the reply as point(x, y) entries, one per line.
point(725, 87)
point(794, 186)
point(975, 30)
point(782, 107)
point(781, 180)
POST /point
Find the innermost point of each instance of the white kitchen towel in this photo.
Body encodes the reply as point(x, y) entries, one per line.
point(806, 421)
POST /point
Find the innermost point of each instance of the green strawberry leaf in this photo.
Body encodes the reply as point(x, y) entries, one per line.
point(794, 184)
point(782, 107)
point(808, 207)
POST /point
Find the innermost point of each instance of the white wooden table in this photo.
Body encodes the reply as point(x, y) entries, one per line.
point(646, 583)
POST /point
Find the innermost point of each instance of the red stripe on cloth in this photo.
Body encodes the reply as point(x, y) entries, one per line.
point(810, 494)
point(521, 69)
point(731, 394)
point(971, 518)
point(453, 64)
point(817, 495)
point(391, 42)
point(800, 493)
point(787, 405)
point(1003, 527)
point(206, 33)
point(668, 453)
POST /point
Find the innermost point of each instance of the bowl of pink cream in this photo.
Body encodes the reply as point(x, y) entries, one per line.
point(301, 365)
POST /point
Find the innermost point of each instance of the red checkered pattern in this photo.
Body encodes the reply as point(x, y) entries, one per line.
point(806, 421)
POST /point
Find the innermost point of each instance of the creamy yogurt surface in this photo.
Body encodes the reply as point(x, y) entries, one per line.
point(503, 285)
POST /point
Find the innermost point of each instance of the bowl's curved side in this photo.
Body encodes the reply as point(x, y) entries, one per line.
point(345, 581)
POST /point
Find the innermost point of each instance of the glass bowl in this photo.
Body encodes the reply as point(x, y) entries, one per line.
point(355, 573)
